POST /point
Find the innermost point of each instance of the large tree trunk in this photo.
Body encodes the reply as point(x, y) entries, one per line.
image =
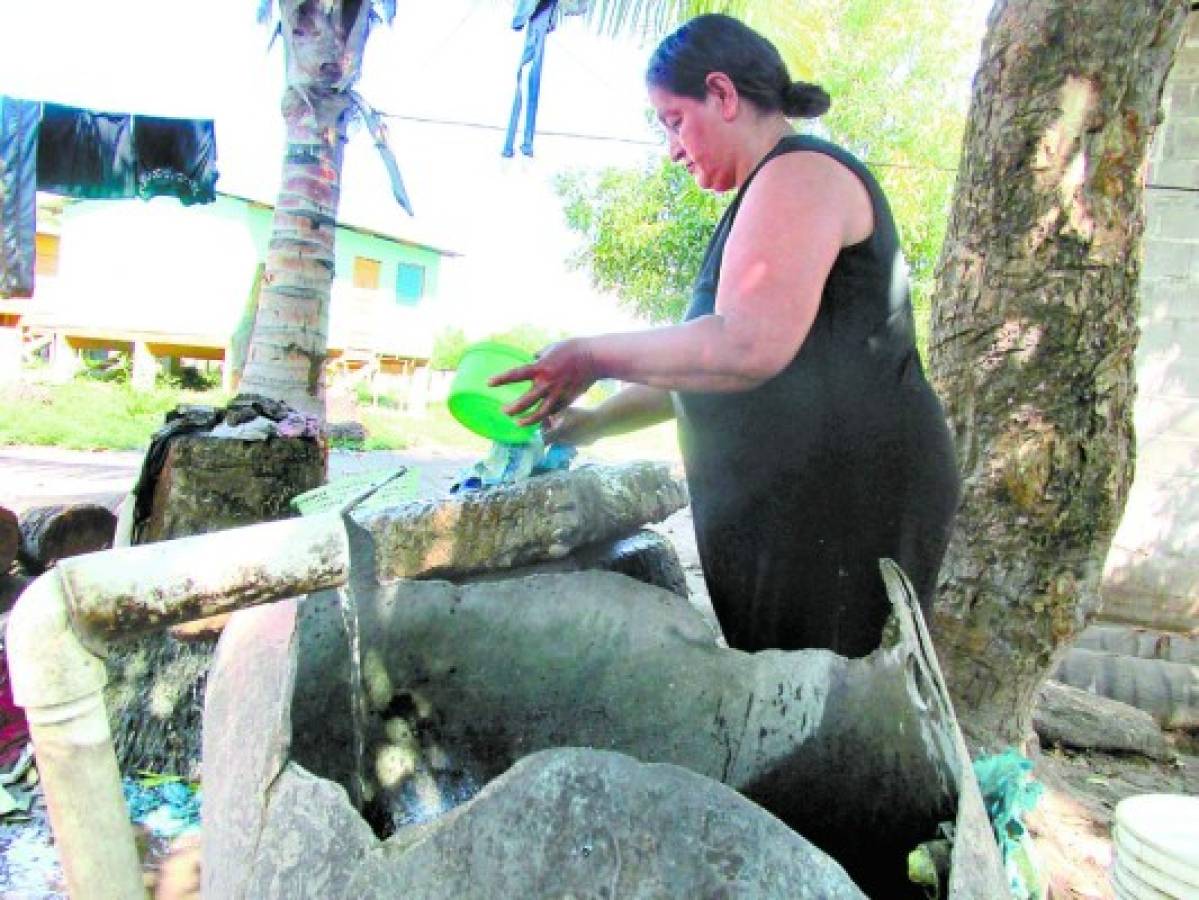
point(1034, 328)
point(288, 347)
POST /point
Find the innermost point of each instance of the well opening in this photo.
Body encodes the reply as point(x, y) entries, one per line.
point(465, 689)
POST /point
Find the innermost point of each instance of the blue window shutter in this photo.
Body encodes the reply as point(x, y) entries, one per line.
point(410, 283)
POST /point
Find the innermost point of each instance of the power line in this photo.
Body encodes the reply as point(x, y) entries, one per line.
point(460, 123)
point(641, 142)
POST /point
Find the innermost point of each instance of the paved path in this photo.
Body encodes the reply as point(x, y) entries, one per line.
point(35, 476)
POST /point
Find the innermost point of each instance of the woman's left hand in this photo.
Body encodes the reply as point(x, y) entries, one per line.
point(561, 373)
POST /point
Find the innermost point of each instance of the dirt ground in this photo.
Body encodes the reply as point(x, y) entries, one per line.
point(1070, 826)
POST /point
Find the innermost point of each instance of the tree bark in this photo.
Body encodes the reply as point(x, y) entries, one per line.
point(1034, 329)
point(289, 343)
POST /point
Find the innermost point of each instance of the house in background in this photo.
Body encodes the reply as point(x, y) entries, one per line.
point(165, 283)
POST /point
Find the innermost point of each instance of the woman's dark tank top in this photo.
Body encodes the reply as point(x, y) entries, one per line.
point(801, 484)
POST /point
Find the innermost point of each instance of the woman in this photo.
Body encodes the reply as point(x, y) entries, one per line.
point(812, 442)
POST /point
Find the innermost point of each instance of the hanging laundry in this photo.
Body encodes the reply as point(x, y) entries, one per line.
point(538, 18)
point(85, 154)
point(175, 158)
point(18, 195)
point(81, 153)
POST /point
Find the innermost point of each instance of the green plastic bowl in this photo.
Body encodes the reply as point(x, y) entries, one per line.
point(479, 407)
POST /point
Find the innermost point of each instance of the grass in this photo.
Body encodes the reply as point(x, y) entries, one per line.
point(93, 415)
point(88, 415)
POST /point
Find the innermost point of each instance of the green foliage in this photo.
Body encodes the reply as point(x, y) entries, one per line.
point(448, 347)
point(645, 233)
point(897, 72)
point(530, 338)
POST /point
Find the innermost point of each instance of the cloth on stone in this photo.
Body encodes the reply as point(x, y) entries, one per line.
point(801, 485)
point(18, 195)
point(297, 424)
point(260, 428)
point(510, 463)
point(244, 407)
point(537, 24)
point(179, 421)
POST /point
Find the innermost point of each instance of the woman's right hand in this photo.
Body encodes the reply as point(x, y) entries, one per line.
point(574, 426)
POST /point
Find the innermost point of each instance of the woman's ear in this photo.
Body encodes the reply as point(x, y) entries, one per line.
point(721, 88)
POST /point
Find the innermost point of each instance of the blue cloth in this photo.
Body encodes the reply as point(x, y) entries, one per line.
point(510, 463)
point(1009, 792)
point(168, 808)
point(19, 121)
point(538, 24)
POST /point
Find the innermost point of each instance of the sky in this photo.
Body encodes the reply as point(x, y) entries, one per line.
point(450, 60)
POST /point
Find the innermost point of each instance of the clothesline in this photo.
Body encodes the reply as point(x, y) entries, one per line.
point(574, 135)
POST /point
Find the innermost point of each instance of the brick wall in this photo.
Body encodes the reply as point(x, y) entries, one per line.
point(1152, 572)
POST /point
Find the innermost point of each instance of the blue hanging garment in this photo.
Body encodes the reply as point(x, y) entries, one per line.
point(18, 195)
point(538, 19)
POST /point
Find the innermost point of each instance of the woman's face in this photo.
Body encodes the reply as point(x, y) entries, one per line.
point(695, 135)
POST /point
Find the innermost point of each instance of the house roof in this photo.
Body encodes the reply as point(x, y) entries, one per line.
point(360, 229)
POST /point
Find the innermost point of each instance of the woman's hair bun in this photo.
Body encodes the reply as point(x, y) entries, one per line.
point(802, 100)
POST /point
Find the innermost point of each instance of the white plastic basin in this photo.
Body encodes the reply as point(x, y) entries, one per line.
point(1156, 843)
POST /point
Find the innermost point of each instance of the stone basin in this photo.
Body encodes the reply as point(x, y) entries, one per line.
point(576, 734)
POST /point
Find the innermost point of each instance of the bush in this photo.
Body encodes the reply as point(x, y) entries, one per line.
point(448, 347)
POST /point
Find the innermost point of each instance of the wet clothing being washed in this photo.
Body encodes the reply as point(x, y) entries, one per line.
point(800, 485)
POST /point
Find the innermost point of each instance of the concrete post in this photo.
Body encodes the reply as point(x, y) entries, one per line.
point(145, 366)
point(64, 358)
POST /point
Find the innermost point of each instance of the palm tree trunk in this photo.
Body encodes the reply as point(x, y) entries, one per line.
point(1034, 328)
point(287, 352)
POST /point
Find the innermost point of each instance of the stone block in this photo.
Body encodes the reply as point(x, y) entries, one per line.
point(256, 649)
point(1075, 718)
point(311, 845)
point(586, 823)
point(1168, 691)
point(645, 555)
point(1169, 342)
point(1165, 411)
point(1166, 456)
point(519, 524)
point(1172, 215)
point(1144, 643)
point(1157, 504)
point(210, 484)
point(1175, 173)
point(1166, 299)
point(1168, 258)
point(1182, 138)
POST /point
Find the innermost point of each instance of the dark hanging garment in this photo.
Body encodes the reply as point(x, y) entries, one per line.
point(175, 158)
point(800, 485)
point(100, 155)
point(538, 23)
point(85, 154)
point(18, 195)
